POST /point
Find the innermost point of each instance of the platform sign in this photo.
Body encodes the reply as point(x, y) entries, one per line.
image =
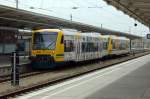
point(148, 36)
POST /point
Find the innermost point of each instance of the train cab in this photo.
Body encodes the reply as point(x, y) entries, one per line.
point(47, 47)
point(119, 45)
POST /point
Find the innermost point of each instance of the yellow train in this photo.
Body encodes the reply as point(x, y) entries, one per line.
point(51, 47)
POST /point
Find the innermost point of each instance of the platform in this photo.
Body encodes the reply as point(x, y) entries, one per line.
point(6, 60)
point(129, 80)
point(5, 65)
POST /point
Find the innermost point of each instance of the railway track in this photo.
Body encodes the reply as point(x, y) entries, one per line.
point(32, 73)
point(70, 74)
point(23, 75)
point(6, 77)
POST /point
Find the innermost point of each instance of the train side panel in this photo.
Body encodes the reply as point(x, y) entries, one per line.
point(88, 46)
point(59, 51)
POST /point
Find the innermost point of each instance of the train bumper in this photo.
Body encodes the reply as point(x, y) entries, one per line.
point(42, 62)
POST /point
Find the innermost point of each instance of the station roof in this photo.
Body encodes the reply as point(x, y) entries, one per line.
point(22, 19)
point(138, 9)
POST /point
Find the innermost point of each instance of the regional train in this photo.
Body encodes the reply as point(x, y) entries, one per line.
point(53, 47)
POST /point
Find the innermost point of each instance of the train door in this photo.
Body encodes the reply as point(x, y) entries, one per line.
point(60, 48)
point(110, 45)
point(78, 50)
point(98, 44)
point(83, 48)
point(101, 47)
point(78, 42)
point(69, 50)
point(90, 53)
point(105, 47)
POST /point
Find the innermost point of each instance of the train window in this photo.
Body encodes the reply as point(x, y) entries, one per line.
point(89, 47)
point(84, 39)
point(69, 45)
point(105, 45)
point(83, 47)
point(62, 39)
point(114, 44)
point(44, 40)
point(95, 46)
point(122, 45)
point(127, 44)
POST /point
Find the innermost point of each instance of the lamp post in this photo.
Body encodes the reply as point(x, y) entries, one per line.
point(17, 4)
point(71, 16)
point(74, 8)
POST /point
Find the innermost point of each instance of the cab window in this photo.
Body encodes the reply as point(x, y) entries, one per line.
point(62, 39)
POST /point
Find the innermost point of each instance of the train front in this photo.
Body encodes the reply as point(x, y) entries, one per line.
point(44, 48)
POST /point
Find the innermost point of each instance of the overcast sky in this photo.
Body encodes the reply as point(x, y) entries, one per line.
point(94, 12)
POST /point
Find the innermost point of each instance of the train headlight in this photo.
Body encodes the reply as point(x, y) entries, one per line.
point(53, 52)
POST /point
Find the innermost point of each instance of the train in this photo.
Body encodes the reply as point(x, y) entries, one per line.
point(54, 47)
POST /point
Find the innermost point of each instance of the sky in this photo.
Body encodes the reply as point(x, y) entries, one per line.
point(93, 12)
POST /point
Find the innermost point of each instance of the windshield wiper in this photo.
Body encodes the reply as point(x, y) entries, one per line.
point(50, 44)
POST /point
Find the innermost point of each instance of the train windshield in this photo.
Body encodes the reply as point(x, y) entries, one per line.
point(44, 40)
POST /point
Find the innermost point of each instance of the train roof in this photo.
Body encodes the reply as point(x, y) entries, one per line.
point(50, 30)
point(123, 38)
point(90, 34)
point(115, 37)
point(69, 31)
point(119, 37)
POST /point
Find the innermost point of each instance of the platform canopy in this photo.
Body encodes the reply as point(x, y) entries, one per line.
point(22, 19)
point(138, 9)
